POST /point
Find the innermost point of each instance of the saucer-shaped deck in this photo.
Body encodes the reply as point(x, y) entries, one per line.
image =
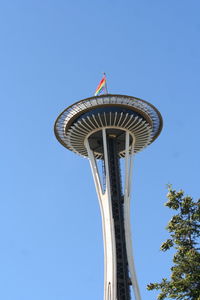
point(85, 119)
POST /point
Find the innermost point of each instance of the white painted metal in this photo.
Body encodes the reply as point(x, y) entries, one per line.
point(110, 278)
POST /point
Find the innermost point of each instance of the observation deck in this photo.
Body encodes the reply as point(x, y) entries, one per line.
point(115, 112)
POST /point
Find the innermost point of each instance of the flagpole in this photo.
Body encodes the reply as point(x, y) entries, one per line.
point(106, 88)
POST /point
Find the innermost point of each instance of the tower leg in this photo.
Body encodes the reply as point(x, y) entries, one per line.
point(107, 222)
point(129, 152)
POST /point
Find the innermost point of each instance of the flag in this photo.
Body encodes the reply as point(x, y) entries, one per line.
point(101, 86)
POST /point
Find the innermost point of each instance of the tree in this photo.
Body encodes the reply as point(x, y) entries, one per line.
point(184, 229)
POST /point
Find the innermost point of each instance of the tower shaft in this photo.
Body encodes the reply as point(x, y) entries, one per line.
point(117, 199)
point(114, 204)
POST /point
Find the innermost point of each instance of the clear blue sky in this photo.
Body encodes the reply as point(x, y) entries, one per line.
point(53, 53)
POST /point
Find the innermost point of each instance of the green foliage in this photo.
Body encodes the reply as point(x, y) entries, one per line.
point(184, 229)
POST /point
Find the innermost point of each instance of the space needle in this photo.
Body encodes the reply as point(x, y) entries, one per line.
point(110, 129)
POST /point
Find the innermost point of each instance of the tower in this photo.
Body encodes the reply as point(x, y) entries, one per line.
point(108, 129)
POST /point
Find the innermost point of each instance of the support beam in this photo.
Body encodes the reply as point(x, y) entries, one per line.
point(119, 271)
